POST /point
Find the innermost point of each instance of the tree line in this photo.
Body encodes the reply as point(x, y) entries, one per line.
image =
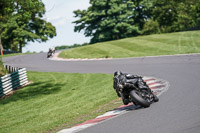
point(106, 20)
point(21, 21)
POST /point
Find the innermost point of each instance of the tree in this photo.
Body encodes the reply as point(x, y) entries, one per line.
point(24, 23)
point(114, 19)
point(176, 15)
point(142, 11)
point(151, 27)
point(5, 12)
point(111, 19)
point(188, 14)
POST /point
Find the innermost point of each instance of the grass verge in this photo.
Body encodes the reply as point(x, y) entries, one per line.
point(55, 101)
point(151, 45)
point(15, 54)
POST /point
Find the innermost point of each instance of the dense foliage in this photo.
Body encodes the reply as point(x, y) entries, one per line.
point(114, 19)
point(109, 20)
point(177, 15)
point(3, 71)
point(21, 21)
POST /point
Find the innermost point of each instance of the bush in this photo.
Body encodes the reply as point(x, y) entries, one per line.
point(151, 27)
point(3, 71)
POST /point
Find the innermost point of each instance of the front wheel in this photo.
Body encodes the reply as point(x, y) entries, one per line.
point(136, 97)
point(48, 55)
point(155, 98)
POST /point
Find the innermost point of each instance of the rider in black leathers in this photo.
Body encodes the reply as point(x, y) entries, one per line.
point(127, 80)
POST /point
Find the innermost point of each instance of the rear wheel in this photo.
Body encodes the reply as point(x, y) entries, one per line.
point(139, 99)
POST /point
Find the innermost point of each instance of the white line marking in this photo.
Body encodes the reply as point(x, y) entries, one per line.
point(154, 85)
point(76, 128)
point(114, 112)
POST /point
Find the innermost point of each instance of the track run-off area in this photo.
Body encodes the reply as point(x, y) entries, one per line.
point(178, 110)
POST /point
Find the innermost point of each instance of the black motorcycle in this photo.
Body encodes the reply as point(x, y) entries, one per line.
point(49, 54)
point(133, 88)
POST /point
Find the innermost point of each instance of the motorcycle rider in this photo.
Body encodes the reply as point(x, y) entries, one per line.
point(51, 52)
point(126, 81)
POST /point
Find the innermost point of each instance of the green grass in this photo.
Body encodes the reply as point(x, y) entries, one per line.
point(3, 71)
point(56, 100)
point(15, 54)
point(151, 45)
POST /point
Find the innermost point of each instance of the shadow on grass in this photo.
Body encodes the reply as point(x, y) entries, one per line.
point(33, 91)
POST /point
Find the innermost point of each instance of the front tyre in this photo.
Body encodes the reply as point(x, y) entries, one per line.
point(48, 55)
point(155, 98)
point(136, 97)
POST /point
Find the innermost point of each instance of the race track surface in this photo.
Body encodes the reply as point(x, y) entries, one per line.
point(178, 110)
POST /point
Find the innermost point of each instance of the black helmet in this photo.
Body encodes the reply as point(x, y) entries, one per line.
point(117, 73)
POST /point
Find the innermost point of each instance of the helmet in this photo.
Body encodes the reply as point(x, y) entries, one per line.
point(117, 73)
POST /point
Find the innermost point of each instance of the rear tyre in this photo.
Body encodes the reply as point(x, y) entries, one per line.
point(139, 99)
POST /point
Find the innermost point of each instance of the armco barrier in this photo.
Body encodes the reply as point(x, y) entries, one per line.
point(12, 81)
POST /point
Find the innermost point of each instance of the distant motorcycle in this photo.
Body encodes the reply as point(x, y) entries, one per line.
point(132, 88)
point(50, 53)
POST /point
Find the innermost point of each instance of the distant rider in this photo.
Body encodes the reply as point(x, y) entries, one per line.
point(52, 50)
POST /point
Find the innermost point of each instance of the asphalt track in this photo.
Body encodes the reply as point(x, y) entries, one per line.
point(178, 110)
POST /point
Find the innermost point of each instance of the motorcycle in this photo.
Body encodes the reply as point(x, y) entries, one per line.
point(135, 90)
point(50, 53)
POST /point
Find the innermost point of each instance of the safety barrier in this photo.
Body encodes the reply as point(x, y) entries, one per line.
point(13, 81)
point(11, 69)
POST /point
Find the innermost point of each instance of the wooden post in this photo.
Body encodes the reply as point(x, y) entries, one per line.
point(1, 47)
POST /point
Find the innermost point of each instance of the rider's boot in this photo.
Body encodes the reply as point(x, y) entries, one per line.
point(118, 94)
point(125, 99)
